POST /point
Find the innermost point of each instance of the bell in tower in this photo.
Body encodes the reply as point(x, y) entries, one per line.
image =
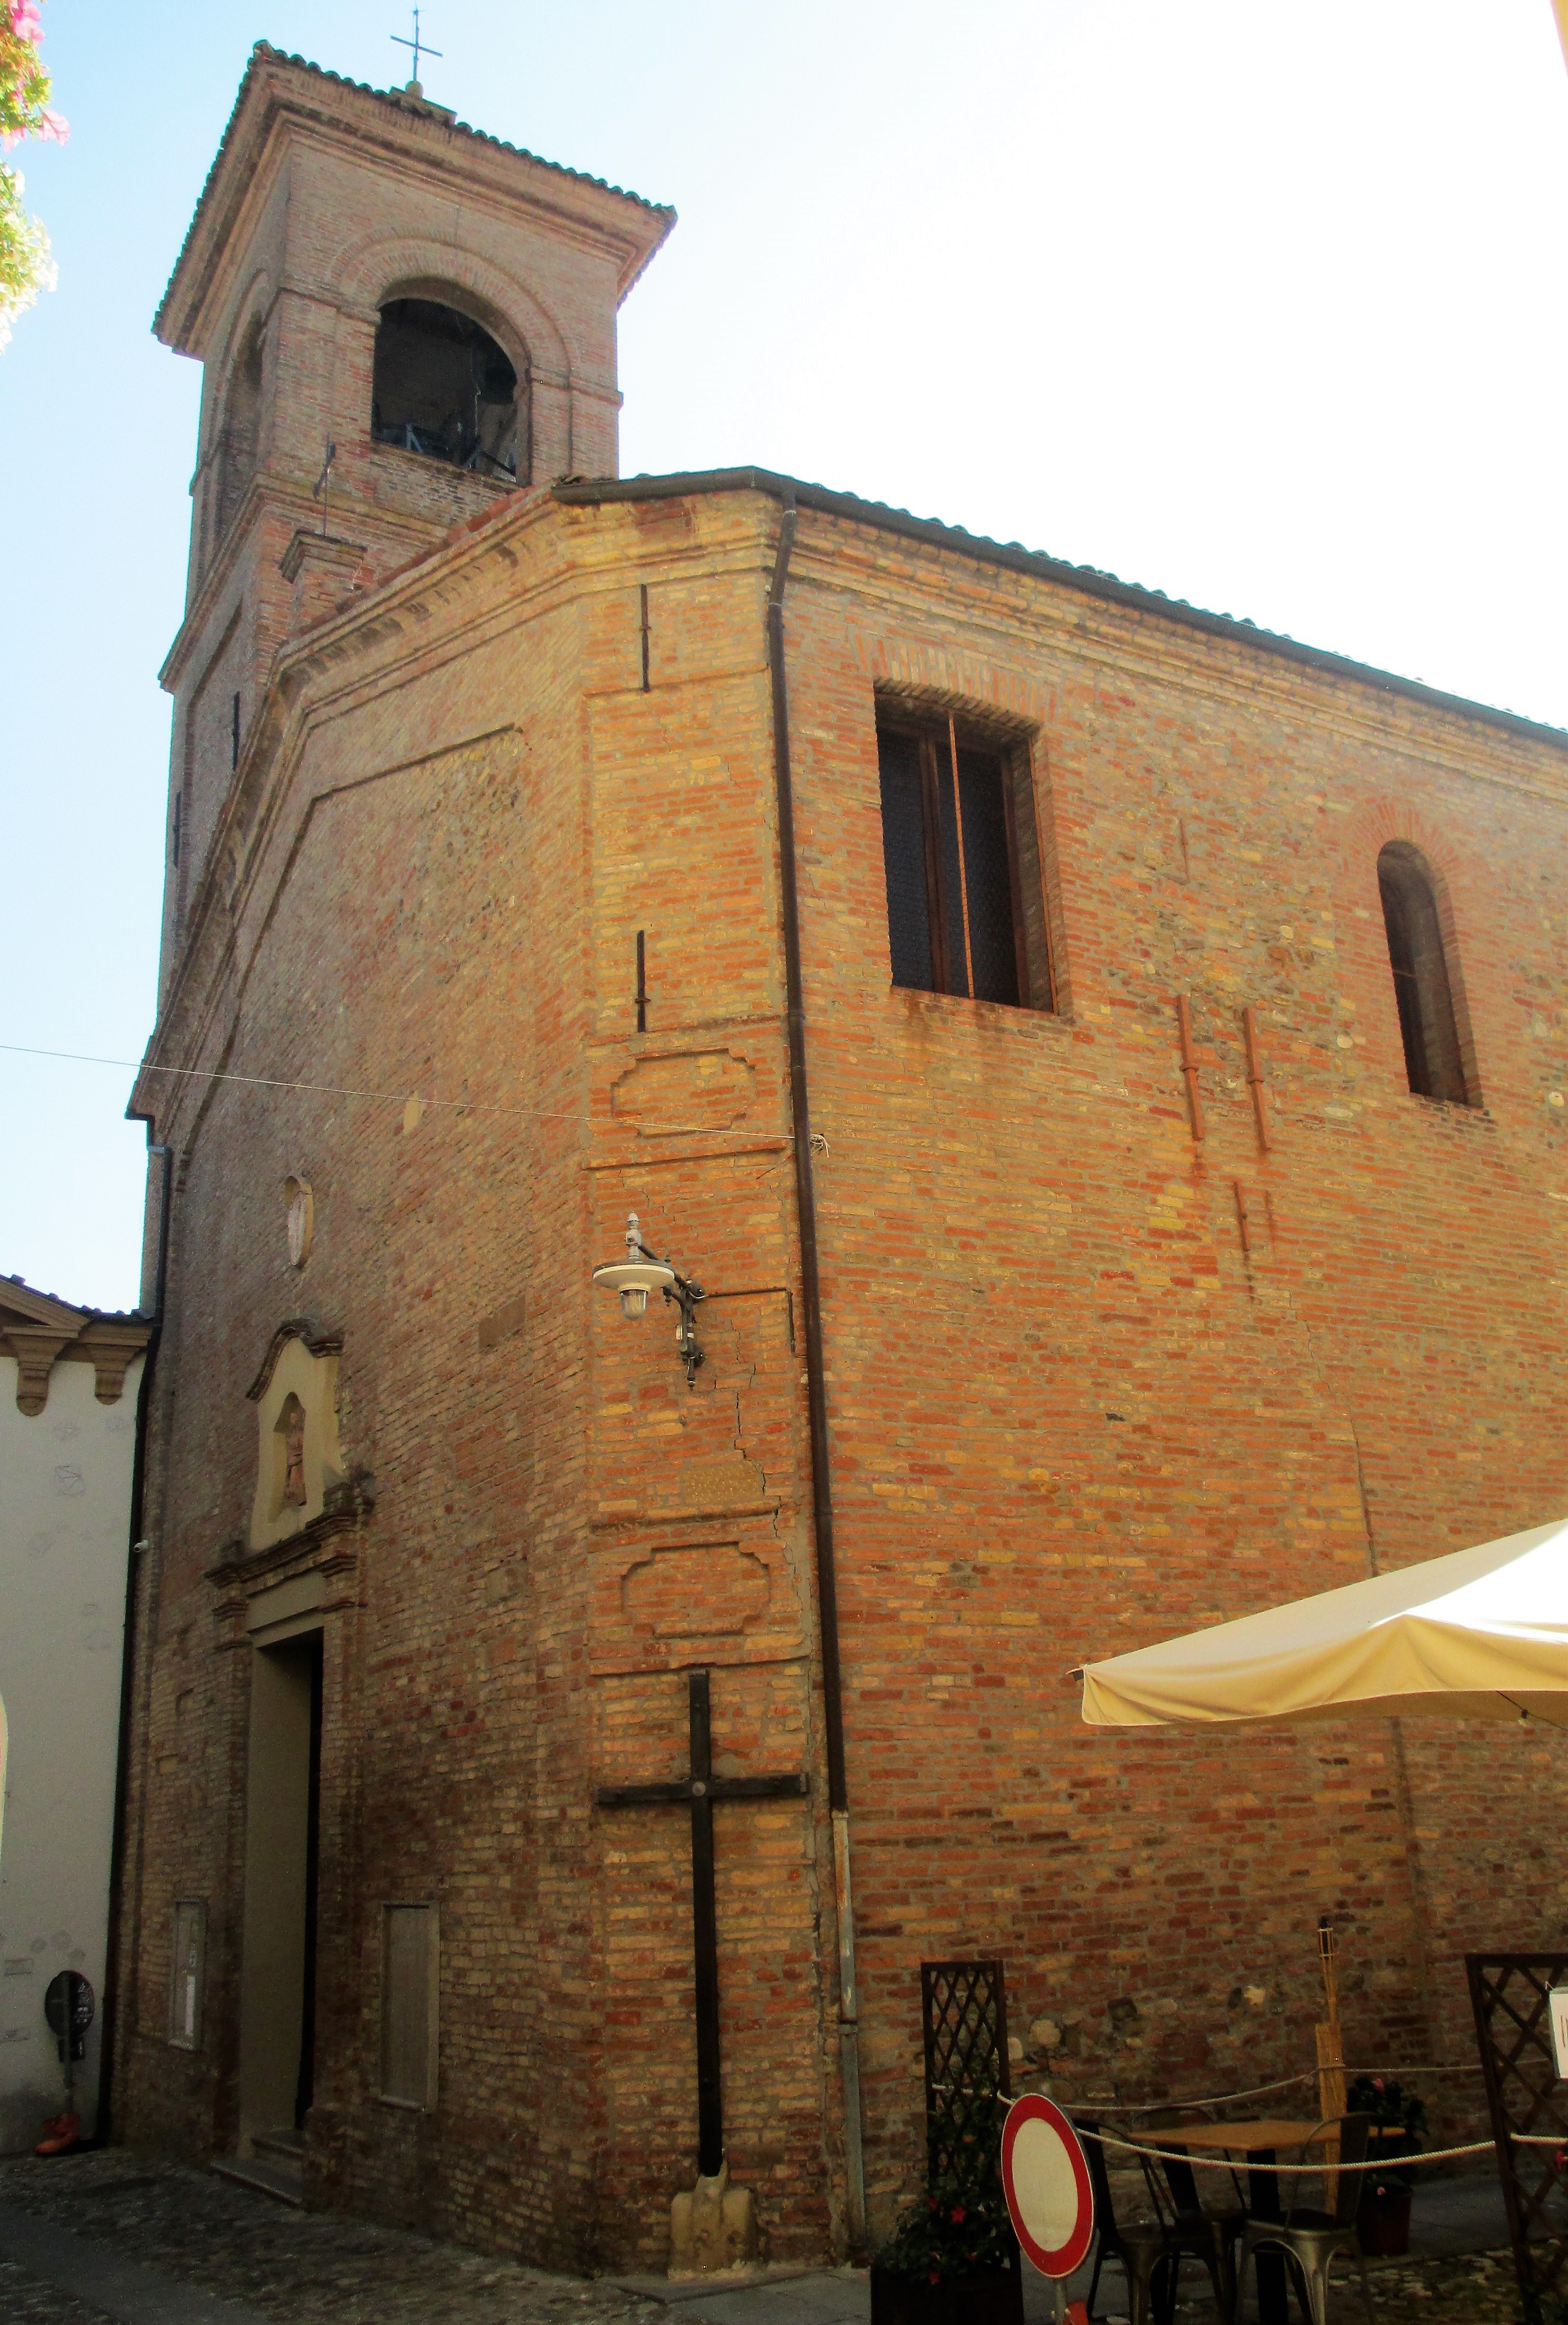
point(399, 320)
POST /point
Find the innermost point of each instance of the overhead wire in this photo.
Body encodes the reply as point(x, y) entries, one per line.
point(1374, 2163)
point(1284, 2082)
point(318, 1089)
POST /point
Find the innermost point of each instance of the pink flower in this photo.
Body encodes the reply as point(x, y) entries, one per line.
point(1377, 2082)
point(25, 22)
point(52, 126)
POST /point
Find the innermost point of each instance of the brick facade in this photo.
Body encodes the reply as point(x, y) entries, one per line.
point(1089, 1381)
point(326, 199)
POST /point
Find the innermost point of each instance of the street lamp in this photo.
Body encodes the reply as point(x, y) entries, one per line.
point(642, 1271)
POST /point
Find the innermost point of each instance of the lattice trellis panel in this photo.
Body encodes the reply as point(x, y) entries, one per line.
point(964, 2014)
point(1509, 1994)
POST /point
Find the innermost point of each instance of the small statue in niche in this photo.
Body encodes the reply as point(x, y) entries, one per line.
point(291, 1425)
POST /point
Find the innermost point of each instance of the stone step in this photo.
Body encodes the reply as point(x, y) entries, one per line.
point(285, 2182)
point(285, 2146)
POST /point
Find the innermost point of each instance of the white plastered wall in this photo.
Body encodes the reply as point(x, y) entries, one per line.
point(65, 1502)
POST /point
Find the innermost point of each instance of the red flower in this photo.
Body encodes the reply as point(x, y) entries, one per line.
point(1378, 2083)
point(958, 2215)
point(932, 2200)
point(935, 2277)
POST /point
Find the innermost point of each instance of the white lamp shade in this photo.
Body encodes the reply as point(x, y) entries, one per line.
point(635, 1276)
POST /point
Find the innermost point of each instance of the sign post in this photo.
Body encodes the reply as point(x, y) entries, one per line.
point(1045, 2179)
point(68, 2007)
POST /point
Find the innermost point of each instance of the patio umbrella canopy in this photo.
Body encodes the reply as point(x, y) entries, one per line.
point(1479, 1635)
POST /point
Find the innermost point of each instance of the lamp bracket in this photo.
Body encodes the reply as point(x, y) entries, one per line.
point(637, 1269)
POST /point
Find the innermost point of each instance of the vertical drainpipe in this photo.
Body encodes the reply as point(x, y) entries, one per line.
point(816, 1394)
point(108, 2023)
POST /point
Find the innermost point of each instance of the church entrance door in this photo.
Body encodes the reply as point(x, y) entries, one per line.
point(277, 2042)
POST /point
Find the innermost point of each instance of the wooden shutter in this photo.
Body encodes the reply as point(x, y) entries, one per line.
point(410, 2001)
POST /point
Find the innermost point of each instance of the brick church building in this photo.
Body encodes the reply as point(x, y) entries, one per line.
point(1104, 1067)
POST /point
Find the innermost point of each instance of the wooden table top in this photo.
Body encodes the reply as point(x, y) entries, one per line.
point(1237, 2138)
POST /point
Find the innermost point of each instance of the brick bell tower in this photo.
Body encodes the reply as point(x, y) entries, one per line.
point(399, 320)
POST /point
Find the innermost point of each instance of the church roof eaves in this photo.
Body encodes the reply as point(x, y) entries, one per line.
point(1011, 555)
point(25, 1298)
point(264, 51)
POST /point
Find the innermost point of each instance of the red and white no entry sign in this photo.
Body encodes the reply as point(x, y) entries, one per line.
point(1046, 2182)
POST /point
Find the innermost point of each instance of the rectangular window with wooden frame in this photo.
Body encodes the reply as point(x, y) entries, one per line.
point(409, 2004)
point(960, 847)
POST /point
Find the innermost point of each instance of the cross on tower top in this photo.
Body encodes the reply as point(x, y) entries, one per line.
point(416, 44)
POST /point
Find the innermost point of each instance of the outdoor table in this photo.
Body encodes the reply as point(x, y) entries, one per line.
point(1259, 2139)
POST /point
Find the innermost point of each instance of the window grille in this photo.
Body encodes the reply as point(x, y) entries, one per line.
point(965, 902)
point(964, 2012)
point(1434, 1061)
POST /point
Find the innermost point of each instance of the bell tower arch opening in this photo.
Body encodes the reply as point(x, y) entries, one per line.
point(239, 432)
point(444, 387)
point(365, 273)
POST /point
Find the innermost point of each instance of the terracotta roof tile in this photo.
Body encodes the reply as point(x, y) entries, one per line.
point(265, 52)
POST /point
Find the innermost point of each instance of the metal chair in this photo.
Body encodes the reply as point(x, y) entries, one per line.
point(1142, 2249)
point(1207, 2232)
point(1310, 2239)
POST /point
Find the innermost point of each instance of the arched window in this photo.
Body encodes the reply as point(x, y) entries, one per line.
point(1434, 1061)
point(443, 387)
point(238, 436)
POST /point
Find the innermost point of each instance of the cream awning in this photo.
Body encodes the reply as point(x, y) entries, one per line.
point(1479, 1635)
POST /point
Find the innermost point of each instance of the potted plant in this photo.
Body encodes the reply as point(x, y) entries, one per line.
point(954, 2261)
point(1398, 2129)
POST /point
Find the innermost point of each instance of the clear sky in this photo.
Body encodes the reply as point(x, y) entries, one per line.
point(1259, 305)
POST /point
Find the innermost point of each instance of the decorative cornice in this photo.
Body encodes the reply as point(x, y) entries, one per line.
point(35, 1353)
point(297, 1328)
point(310, 546)
point(38, 1331)
point(1087, 580)
point(326, 1546)
point(277, 87)
point(317, 1548)
point(274, 492)
point(109, 1348)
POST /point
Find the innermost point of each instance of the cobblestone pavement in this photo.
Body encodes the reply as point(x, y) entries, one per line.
point(308, 2268)
point(209, 2237)
point(1468, 2289)
point(1476, 2288)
